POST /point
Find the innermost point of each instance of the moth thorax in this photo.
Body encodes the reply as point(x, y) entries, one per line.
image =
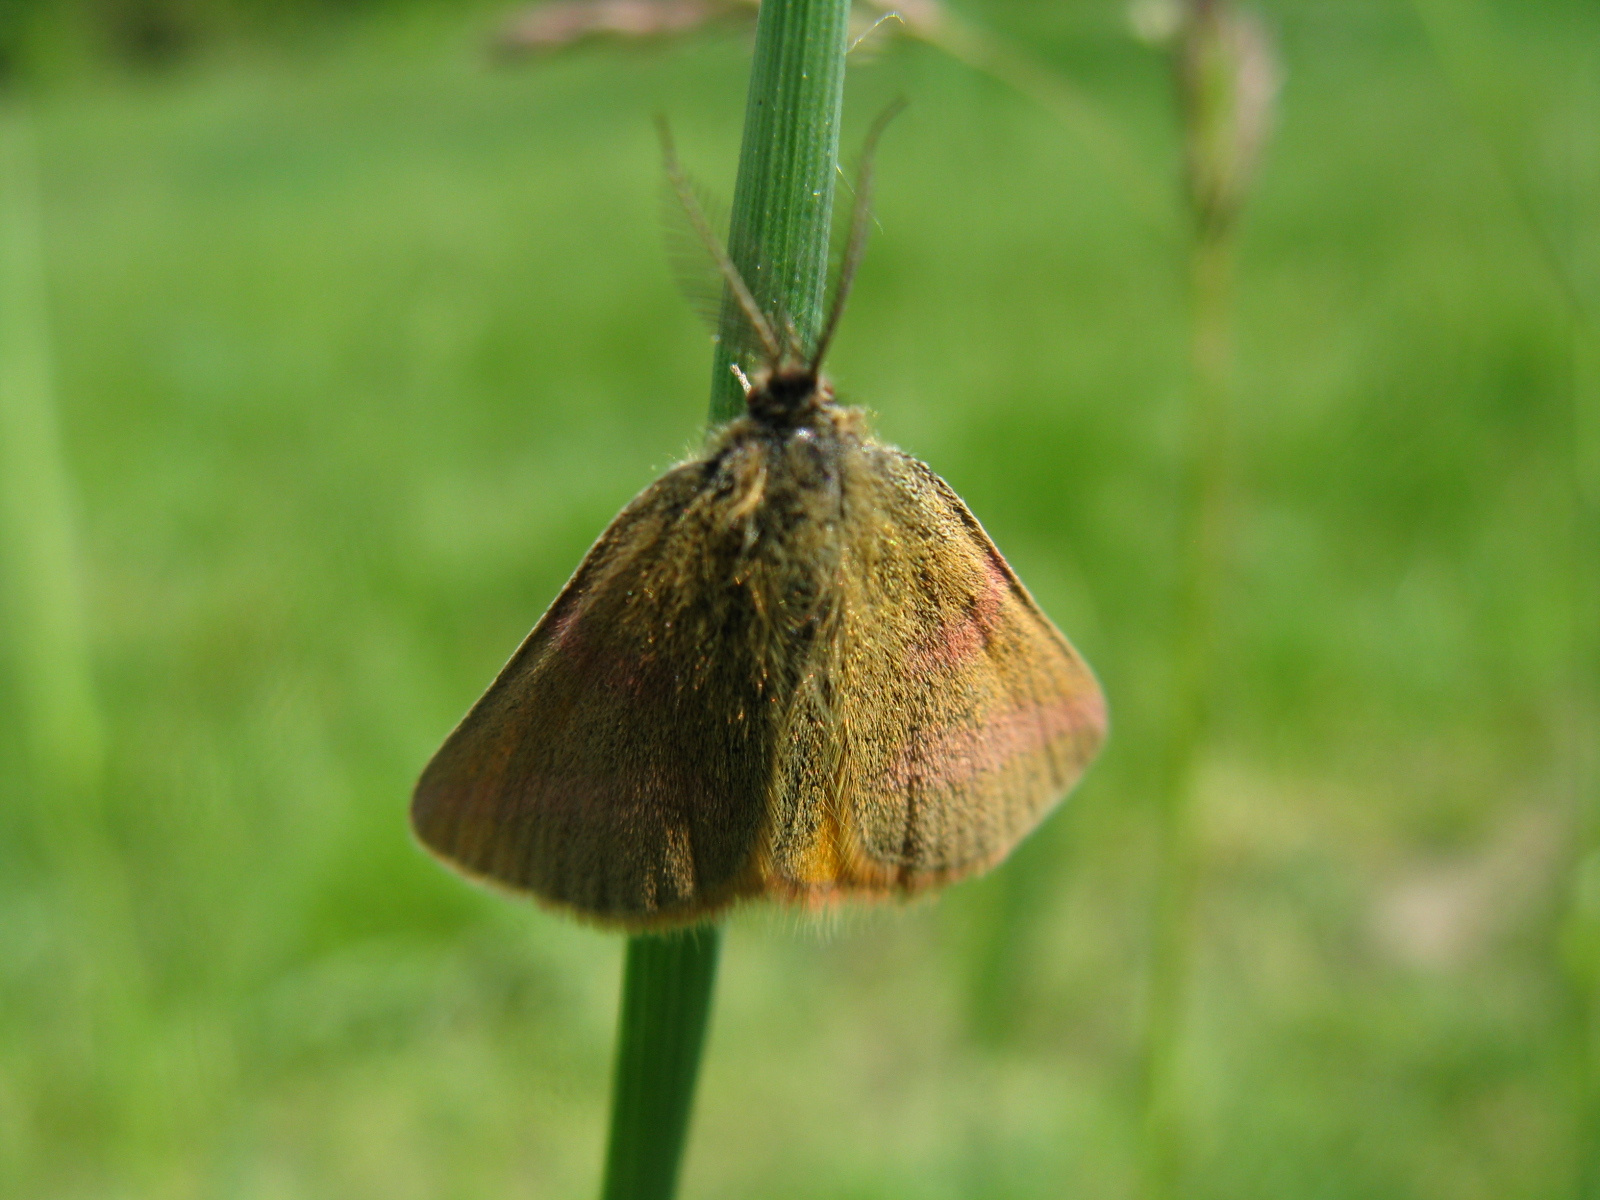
point(787, 396)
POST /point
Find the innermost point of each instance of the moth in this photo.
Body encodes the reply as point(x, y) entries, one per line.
point(793, 667)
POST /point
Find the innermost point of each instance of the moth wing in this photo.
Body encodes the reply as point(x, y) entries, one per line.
point(951, 714)
point(613, 767)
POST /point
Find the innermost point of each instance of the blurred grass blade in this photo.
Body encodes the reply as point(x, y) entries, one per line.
point(1475, 63)
point(38, 542)
point(47, 650)
point(1479, 66)
point(1226, 75)
point(936, 24)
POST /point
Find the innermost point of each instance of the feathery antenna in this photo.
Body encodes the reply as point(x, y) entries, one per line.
point(860, 222)
point(714, 247)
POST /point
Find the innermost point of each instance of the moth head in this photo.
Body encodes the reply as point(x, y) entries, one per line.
point(788, 383)
point(786, 394)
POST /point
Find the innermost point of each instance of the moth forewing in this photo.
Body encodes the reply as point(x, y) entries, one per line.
point(601, 771)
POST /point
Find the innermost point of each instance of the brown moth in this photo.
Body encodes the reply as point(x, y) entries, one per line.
point(794, 667)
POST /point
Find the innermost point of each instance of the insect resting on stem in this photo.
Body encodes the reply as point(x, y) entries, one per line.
point(793, 667)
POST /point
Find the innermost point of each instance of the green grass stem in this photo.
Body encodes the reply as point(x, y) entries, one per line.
point(1473, 56)
point(1225, 73)
point(48, 648)
point(1583, 917)
point(783, 199)
point(46, 651)
point(666, 998)
point(1204, 536)
point(778, 239)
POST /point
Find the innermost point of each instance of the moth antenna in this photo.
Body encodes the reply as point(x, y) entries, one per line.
point(860, 223)
point(849, 186)
point(791, 332)
point(714, 247)
point(873, 28)
point(695, 271)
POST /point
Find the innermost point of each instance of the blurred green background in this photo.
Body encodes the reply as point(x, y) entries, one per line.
point(355, 339)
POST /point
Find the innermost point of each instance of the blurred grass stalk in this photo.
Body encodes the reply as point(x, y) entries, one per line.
point(1226, 81)
point(1583, 918)
point(47, 643)
point(936, 24)
point(778, 238)
point(1472, 53)
point(44, 606)
point(48, 656)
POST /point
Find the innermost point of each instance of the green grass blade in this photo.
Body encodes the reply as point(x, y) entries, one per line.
point(666, 998)
point(782, 205)
point(783, 200)
point(38, 541)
